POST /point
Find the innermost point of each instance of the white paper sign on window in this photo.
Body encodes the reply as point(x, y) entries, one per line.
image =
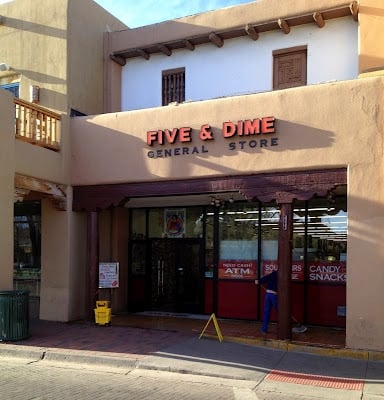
point(108, 275)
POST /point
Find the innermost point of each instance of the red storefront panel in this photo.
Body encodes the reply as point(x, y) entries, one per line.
point(237, 299)
point(326, 304)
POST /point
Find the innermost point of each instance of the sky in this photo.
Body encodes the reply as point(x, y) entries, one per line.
point(135, 13)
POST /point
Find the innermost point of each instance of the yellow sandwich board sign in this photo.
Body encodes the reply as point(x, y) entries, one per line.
point(218, 332)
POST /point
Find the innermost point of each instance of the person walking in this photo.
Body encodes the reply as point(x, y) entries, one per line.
point(270, 298)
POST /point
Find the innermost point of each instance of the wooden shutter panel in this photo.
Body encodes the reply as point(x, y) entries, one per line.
point(289, 68)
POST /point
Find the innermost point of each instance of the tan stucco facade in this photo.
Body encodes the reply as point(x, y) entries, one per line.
point(334, 125)
point(62, 56)
point(342, 129)
point(7, 162)
point(371, 20)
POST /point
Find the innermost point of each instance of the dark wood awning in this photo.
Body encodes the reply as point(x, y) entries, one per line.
point(281, 187)
point(252, 30)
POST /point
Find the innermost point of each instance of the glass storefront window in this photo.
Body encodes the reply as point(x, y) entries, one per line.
point(27, 247)
point(176, 222)
point(327, 231)
point(194, 222)
point(238, 235)
point(270, 218)
point(209, 241)
point(299, 241)
point(138, 258)
point(156, 223)
point(138, 224)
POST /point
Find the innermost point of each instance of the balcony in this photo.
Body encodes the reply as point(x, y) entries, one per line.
point(37, 125)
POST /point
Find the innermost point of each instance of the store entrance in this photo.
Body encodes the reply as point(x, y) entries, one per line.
point(176, 275)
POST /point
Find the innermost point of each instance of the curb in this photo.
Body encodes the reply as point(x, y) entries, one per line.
point(27, 352)
point(34, 354)
point(368, 355)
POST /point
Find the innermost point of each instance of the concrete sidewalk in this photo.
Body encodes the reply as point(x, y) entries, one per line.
point(283, 370)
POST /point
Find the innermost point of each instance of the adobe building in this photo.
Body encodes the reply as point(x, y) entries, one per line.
point(231, 143)
point(45, 57)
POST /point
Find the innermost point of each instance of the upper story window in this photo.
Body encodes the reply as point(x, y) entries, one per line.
point(173, 86)
point(289, 67)
point(12, 87)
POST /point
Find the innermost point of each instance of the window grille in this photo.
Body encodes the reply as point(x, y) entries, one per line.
point(173, 86)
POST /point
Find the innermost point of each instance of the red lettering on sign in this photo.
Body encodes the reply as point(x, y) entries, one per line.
point(268, 125)
point(237, 269)
point(170, 136)
point(252, 127)
point(151, 137)
point(248, 127)
point(229, 129)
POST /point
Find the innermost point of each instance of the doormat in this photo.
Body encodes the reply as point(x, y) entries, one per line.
point(171, 315)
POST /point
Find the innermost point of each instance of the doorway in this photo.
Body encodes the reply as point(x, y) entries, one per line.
point(176, 275)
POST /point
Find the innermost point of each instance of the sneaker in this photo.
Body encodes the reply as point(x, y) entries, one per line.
point(299, 329)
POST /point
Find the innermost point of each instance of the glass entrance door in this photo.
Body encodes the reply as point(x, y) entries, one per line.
point(176, 275)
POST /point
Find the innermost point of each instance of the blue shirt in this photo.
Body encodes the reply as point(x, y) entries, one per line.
point(270, 280)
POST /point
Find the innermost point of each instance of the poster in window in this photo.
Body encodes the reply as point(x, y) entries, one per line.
point(108, 275)
point(174, 221)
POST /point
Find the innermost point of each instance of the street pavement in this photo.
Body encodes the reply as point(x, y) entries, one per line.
point(296, 372)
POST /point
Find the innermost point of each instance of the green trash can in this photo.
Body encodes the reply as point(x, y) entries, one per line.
point(14, 315)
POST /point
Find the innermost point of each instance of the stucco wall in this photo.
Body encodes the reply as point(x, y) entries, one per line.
point(314, 128)
point(87, 22)
point(371, 21)
point(7, 155)
point(319, 126)
point(63, 264)
point(61, 51)
point(34, 44)
point(243, 65)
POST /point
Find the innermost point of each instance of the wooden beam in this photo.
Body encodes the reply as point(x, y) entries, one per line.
point(251, 32)
point(189, 45)
point(216, 39)
point(20, 194)
point(118, 59)
point(55, 192)
point(264, 187)
point(354, 7)
point(164, 49)
point(318, 18)
point(143, 53)
point(283, 24)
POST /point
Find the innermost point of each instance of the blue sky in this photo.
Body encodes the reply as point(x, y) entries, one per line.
point(136, 13)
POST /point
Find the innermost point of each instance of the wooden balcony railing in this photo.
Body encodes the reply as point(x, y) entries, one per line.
point(37, 125)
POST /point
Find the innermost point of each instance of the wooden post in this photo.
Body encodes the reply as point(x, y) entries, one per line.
point(284, 330)
point(92, 282)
